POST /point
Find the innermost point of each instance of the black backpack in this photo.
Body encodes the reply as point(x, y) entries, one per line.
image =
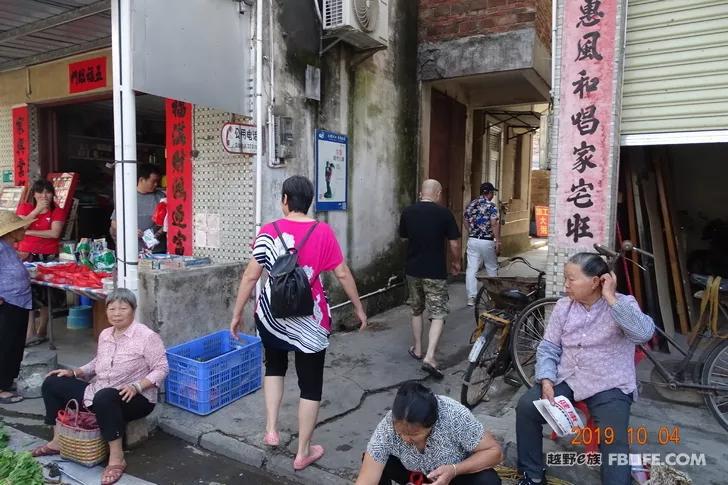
point(290, 289)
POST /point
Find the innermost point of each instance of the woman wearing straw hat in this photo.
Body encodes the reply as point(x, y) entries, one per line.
point(15, 304)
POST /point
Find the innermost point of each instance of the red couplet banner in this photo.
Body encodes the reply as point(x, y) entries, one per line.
point(586, 131)
point(179, 177)
point(21, 145)
point(87, 75)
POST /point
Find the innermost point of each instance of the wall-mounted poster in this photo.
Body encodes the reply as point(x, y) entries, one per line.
point(332, 157)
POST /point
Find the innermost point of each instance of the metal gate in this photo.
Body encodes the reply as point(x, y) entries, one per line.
point(675, 72)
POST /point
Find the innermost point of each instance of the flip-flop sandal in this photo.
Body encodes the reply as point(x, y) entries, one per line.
point(317, 451)
point(44, 450)
point(115, 472)
point(411, 351)
point(272, 439)
point(36, 341)
point(13, 398)
point(433, 371)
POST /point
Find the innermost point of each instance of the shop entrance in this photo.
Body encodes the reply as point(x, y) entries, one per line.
point(79, 137)
point(674, 203)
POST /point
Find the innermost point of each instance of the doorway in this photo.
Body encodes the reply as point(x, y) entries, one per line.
point(447, 150)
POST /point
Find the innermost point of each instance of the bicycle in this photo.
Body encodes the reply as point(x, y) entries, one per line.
point(500, 302)
point(709, 375)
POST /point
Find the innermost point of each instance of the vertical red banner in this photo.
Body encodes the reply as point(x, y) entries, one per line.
point(179, 177)
point(586, 122)
point(21, 145)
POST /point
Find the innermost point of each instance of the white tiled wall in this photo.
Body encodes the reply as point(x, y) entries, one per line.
point(223, 184)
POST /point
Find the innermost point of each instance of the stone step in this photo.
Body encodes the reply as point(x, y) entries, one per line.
point(37, 363)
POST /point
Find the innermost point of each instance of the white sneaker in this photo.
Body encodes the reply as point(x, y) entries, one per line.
point(471, 301)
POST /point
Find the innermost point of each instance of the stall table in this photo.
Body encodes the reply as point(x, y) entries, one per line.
point(95, 294)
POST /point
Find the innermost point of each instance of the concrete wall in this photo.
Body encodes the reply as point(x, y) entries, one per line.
point(374, 102)
point(183, 305)
point(515, 230)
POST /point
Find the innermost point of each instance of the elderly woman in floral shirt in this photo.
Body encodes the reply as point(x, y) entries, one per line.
point(119, 385)
point(587, 354)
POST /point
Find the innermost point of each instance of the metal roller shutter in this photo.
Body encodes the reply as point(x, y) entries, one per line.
point(676, 71)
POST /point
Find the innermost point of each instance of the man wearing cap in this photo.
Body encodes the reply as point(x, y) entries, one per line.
point(481, 219)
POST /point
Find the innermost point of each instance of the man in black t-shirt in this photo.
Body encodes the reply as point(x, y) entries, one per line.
point(427, 225)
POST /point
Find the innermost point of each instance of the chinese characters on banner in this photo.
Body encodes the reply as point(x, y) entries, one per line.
point(585, 121)
point(87, 75)
point(179, 177)
point(21, 145)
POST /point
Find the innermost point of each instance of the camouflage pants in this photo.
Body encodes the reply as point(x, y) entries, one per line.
point(428, 294)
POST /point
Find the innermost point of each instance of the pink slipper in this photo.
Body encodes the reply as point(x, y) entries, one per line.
point(272, 439)
point(317, 452)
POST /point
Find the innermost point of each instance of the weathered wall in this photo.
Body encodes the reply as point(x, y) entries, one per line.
point(452, 19)
point(374, 102)
point(515, 230)
point(183, 305)
point(543, 22)
point(540, 187)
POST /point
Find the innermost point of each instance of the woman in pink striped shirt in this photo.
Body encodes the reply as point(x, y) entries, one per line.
point(119, 385)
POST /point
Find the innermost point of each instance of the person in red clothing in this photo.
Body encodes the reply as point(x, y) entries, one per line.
point(40, 245)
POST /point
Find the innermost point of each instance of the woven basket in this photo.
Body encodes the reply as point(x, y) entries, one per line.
point(84, 446)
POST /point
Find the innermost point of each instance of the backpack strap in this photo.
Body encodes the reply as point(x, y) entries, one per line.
point(305, 238)
point(303, 242)
point(280, 236)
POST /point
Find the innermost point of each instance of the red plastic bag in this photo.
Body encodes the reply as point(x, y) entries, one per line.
point(75, 418)
point(160, 212)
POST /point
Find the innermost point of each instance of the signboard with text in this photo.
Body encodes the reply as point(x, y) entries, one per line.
point(239, 138)
point(586, 128)
point(87, 75)
point(332, 153)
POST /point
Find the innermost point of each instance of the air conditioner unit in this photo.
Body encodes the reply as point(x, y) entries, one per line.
point(362, 23)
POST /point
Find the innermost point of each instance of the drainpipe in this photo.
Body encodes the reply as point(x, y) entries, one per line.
point(553, 43)
point(258, 120)
point(125, 154)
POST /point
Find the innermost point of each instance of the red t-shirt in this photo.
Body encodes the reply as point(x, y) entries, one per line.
point(35, 244)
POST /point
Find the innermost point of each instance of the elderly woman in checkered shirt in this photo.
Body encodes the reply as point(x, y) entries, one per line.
point(429, 439)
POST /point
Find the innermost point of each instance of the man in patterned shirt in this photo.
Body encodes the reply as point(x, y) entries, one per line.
point(481, 218)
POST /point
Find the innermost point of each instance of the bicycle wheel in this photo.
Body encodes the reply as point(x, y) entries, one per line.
point(715, 373)
point(477, 380)
point(527, 333)
point(482, 302)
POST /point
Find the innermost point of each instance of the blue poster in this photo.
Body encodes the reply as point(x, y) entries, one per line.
point(332, 159)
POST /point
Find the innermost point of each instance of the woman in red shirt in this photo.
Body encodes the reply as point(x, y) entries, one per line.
point(40, 245)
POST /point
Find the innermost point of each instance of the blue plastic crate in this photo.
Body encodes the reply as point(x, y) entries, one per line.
point(210, 372)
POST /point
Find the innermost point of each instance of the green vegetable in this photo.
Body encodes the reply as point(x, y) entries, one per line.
point(17, 468)
point(4, 437)
point(27, 471)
